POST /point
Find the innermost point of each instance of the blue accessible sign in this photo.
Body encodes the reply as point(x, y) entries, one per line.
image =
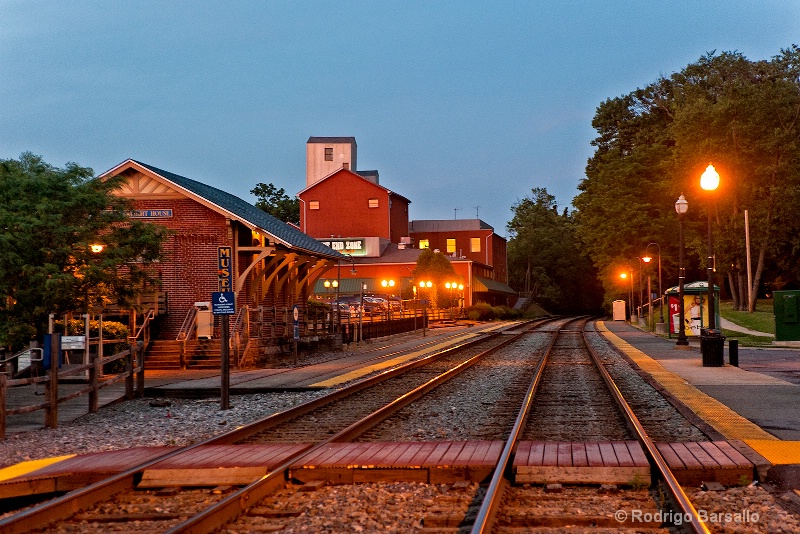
point(223, 303)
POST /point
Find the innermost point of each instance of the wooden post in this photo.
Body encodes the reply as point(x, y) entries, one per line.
point(140, 373)
point(51, 386)
point(129, 370)
point(224, 401)
point(100, 345)
point(3, 393)
point(93, 374)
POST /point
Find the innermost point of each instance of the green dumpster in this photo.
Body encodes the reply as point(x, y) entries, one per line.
point(786, 305)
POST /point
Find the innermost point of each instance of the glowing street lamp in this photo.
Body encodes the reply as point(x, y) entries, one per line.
point(647, 259)
point(709, 181)
point(625, 275)
point(427, 284)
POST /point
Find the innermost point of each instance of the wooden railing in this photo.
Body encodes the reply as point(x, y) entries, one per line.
point(133, 374)
point(240, 335)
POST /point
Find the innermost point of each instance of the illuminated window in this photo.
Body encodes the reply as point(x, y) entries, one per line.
point(475, 244)
point(451, 245)
point(373, 203)
point(424, 243)
point(329, 154)
point(313, 205)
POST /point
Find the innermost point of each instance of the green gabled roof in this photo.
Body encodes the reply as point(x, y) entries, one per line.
point(248, 214)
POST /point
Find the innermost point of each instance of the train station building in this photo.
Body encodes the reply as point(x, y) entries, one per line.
point(354, 238)
point(219, 242)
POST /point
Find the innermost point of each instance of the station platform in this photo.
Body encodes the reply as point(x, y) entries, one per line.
point(755, 403)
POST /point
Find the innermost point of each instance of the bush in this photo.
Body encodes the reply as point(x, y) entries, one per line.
point(480, 312)
point(112, 330)
point(504, 312)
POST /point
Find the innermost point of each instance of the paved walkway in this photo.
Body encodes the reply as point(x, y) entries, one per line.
point(728, 325)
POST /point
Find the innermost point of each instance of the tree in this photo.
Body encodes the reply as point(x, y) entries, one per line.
point(545, 258)
point(433, 266)
point(277, 203)
point(49, 218)
point(654, 143)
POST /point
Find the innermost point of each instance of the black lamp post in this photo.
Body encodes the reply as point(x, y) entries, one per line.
point(660, 291)
point(710, 181)
point(681, 207)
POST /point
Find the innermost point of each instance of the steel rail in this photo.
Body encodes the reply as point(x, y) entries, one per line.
point(650, 449)
point(63, 507)
point(237, 503)
point(484, 519)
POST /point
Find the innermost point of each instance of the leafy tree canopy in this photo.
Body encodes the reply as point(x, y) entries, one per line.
point(49, 218)
point(545, 258)
point(277, 203)
point(435, 267)
point(654, 143)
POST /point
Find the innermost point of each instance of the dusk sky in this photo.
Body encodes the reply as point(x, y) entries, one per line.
point(462, 107)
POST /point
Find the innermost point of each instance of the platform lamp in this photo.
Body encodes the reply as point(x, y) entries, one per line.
point(681, 207)
point(426, 284)
point(388, 285)
point(709, 181)
point(647, 258)
point(624, 275)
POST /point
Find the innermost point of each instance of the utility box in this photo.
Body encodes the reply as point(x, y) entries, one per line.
point(205, 320)
point(786, 305)
point(618, 308)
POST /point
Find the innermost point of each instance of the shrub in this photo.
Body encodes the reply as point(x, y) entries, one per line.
point(480, 312)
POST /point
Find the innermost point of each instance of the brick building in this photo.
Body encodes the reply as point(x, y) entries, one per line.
point(350, 211)
point(273, 264)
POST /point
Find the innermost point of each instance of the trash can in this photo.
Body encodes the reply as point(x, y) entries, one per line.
point(712, 347)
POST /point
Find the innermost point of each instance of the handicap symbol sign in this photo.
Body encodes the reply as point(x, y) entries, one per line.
point(223, 303)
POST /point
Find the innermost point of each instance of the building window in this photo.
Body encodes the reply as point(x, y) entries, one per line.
point(373, 203)
point(329, 154)
point(424, 243)
point(313, 205)
point(475, 244)
point(451, 246)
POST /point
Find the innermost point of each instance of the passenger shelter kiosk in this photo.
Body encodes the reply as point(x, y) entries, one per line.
point(695, 308)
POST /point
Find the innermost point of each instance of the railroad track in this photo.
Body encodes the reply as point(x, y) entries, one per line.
point(378, 397)
point(503, 508)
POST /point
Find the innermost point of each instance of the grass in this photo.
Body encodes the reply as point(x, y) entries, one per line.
point(761, 320)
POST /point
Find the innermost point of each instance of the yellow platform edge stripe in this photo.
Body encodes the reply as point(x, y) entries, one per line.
point(777, 452)
point(363, 371)
point(29, 466)
point(724, 420)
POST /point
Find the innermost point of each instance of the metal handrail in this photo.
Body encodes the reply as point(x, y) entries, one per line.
point(188, 326)
point(9, 370)
point(145, 324)
point(240, 335)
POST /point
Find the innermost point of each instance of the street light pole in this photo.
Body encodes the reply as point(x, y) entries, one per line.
point(660, 291)
point(681, 207)
point(710, 181)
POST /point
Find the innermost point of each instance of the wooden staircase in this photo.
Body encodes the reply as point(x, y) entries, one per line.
point(165, 355)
